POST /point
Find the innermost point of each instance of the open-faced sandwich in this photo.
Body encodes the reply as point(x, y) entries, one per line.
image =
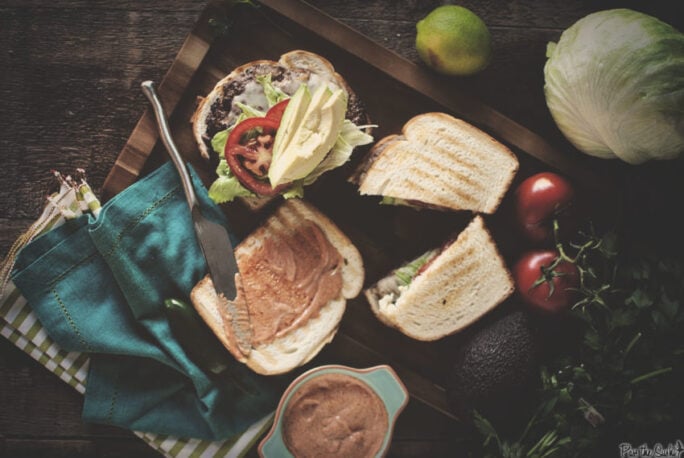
point(277, 126)
point(439, 162)
point(444, 290)
point(296, 271)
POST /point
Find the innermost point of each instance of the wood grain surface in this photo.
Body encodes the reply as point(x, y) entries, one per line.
point(69, 84)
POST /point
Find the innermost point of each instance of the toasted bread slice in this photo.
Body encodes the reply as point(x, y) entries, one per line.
point(439, 161)
point(464, 281)
point(302, 343)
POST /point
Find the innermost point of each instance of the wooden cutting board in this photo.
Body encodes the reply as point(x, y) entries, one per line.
point(393, 90)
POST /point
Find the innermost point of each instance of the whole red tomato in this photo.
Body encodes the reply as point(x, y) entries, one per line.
point(545, 283)
point(539, 200)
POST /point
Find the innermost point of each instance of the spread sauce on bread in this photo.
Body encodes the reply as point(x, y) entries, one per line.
point(334, 415)
point(287, 280)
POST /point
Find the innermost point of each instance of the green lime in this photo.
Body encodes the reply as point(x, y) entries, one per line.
point(453, 40)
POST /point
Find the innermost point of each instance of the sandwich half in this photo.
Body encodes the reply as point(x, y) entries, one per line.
point(276, 126)
point(297, 271)
point(440, 162)
point(444, 290)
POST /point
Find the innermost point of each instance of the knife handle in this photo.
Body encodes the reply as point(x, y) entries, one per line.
point(198, 342)
point(167, 139)
point(202, 346)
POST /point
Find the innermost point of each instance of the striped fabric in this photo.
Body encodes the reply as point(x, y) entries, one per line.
point(20, 326)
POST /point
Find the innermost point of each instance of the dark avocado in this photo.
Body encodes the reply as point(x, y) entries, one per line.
point(495, 370)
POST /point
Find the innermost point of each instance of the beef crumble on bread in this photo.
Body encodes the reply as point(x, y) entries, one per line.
point(444, 290)
point(439, 162)
point(296, 271)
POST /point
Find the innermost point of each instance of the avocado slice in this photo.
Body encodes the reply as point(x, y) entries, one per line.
point(292, 116)
point(308, 139)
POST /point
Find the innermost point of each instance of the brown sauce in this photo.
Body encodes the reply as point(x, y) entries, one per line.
point(334, 415)
point(287, 280)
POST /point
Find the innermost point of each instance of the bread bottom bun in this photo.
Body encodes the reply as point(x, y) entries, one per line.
point(302, 342)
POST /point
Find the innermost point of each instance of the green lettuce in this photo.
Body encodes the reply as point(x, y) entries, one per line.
point(227, 187)
point(386, 200)
point(614, 84)
point(406, 273)
point(247, 112)
point(273, 94)
point(350, 137)
point(218, 141)
point(295, 191)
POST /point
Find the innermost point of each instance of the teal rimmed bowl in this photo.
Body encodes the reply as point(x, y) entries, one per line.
point(381, 379)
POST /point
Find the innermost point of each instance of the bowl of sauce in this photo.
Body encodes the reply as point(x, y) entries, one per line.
point(337, 411)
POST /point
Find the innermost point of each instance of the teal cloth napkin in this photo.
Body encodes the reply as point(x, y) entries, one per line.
point(98, 286)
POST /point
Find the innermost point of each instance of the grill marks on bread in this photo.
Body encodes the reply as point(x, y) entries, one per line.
point(440, 160)
point(466, 280)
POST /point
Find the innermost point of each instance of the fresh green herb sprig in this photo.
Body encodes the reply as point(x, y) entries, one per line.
point(625, 376)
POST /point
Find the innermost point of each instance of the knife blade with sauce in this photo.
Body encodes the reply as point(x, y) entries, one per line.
point(212, 237)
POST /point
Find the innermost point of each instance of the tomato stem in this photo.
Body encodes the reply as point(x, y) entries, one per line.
point(650, 375)
point(592, 243)
point(548, 273)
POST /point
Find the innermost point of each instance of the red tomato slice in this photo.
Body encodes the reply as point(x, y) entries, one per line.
point(277, 110)
point(249, 150)
point(249, 128)
point(244, 162)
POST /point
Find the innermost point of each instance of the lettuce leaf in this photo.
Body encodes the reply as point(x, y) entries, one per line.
point(296, 191)
point(248, 112)
point(273, 94)
point(218, 142)
point(227, 187)
point(387, 200)
point(354, 135)
point(350, 137)
point(406, 273)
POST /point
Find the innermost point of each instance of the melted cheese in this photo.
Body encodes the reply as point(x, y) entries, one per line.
point(253, 96)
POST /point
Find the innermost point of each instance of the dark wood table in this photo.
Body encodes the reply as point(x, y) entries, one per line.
point(69, 97)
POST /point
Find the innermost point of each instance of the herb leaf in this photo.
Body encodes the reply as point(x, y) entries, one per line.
point(624, 373)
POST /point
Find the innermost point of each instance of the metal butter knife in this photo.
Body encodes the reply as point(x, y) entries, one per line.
point(213, 238)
